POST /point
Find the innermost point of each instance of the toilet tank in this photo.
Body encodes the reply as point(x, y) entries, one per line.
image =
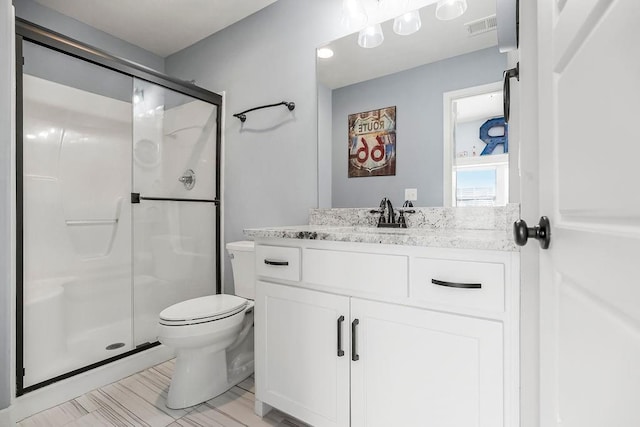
point(242, 256)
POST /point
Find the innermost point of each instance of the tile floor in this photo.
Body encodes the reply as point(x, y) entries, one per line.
point(138, 400)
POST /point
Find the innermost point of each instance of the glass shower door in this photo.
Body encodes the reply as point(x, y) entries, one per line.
point(76, 175)
point(175, 194)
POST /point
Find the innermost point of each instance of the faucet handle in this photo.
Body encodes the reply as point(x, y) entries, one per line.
point(401, 219)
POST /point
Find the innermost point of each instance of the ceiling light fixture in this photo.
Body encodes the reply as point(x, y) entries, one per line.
point(450, 9)
point(354, 17)
point(371, 36)
point(407, 23)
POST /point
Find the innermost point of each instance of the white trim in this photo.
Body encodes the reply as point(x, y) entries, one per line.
point(493, 160)
point(527, 190)
point(5, 417)
point(447, 132)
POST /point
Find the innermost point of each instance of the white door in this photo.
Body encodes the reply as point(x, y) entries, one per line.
point(420, 368)
point(589, 173)
point(298, 366)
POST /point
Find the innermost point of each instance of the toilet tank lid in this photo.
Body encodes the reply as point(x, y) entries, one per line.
point(243, 246)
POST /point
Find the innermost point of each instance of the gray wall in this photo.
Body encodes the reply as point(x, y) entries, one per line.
point(270, 163)
point(417, 95)
point(5, 196)
point(38, 14)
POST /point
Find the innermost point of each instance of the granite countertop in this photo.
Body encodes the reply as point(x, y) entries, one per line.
point(429, 237)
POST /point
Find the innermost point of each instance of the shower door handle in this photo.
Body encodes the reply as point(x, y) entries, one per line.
point(136, 198)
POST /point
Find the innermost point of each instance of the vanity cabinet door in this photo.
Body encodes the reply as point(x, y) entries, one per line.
point(422, 368)
point(298, 369)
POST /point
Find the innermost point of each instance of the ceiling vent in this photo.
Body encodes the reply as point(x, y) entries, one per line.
point(481, 25)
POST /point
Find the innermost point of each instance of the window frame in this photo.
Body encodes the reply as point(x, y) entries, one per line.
point(450, 164)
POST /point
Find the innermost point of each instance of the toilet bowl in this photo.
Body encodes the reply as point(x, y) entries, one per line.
point(213, 336)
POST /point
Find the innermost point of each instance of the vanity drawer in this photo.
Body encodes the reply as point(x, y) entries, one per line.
point(278, 262)
point(461, 284)
point(363, 273)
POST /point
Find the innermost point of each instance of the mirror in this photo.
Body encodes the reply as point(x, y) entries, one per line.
point(411, 73)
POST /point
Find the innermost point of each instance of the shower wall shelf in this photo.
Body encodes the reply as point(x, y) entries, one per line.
point(243, 116)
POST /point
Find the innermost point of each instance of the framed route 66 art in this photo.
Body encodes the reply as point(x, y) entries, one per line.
point(372, 143)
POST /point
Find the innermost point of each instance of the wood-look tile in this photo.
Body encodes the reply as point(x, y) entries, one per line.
point(56, 416)
point(236, 404)
point(153, 388)
point(165, 368)
point(249, 384)
point(139, 401)
point(207, 416)
point(284, 420)
point(129, 408)
point(112, 411)
point(102, 418)
point(88, 404)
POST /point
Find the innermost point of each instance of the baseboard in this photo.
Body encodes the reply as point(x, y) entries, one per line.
point(70, 388)
point(5, 418)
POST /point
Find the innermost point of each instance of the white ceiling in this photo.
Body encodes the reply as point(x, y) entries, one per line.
point(159, 26)
point(436, 40)
point(479, 107)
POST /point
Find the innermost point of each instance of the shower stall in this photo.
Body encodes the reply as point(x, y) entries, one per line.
point(117, 204)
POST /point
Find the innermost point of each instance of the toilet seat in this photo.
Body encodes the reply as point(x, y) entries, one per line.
point(202, 310)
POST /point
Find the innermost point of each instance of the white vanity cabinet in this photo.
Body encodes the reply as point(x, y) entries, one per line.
point(424, 368)
point(360, 335)
point(299, 370)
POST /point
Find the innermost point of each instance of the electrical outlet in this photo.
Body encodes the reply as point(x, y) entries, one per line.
point(411, 194)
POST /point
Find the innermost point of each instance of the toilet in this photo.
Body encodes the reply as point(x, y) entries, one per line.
point(212, 335)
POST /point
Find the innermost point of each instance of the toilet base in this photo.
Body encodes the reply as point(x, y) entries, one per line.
point(198, 376)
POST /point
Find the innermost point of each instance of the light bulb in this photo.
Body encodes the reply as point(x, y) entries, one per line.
point(354, 17)
point(371, 36)
point(407, 24)
point(325, 53)
point(450, 9)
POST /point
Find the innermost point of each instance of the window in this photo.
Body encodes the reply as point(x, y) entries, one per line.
point(479, 183)
point(476, 164)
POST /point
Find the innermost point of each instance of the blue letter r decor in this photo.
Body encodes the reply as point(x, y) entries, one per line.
point(493, 141)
